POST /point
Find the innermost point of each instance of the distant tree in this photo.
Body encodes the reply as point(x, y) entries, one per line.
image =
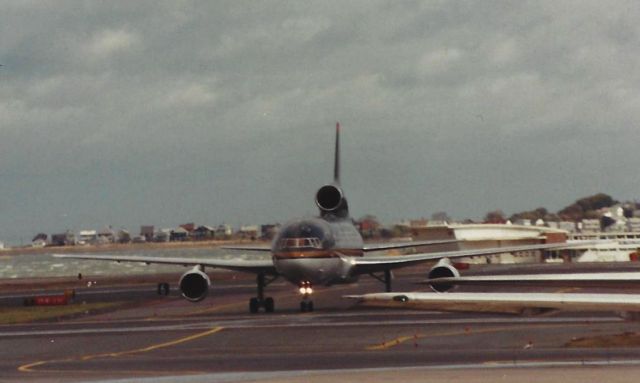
point(586, 207)
point(496, 216)
point(440, 216)
point(532, 215)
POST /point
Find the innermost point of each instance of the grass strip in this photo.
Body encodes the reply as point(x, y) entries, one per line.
point(14, 315)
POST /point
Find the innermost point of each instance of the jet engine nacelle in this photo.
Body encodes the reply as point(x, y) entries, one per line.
point(194, 285)
point(443, 269)
point(330, 199)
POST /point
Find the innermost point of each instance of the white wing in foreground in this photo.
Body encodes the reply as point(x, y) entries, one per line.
point(252, 266)
point(502, 302)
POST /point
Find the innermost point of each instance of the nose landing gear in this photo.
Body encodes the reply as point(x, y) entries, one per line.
point(306, 305)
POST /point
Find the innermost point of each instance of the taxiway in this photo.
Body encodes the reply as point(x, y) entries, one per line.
point(153, 336)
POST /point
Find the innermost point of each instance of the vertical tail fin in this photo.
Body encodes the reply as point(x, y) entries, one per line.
point(336, 165)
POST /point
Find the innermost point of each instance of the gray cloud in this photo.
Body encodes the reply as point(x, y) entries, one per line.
point(127, 113)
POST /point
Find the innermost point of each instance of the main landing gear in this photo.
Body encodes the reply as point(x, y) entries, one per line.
point(306, 305)
point(260, 301)
point(386, 279)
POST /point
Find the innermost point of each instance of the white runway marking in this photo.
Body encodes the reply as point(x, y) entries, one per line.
point(306, 322)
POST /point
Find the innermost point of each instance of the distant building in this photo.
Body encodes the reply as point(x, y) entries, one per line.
point(633, 224)
point(269, 231)
point(249, 231)
point(369, 227)
point(189, 227)
point(422, 222)
point(148, 232)
point(203, 232)
point(224, 231)
point(123, 236)
point(40, 236)
point(567, 226)
point(179, 234)
point(590, 225)
point(39, 243)
point(162, 235)
point(139, 239)
point(106, 235)
point(63, 239)
point(87, 237)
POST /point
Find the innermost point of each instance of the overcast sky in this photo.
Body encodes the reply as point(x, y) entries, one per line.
point(135, 112)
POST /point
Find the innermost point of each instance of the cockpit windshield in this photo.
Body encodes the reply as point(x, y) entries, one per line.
point(299, 243)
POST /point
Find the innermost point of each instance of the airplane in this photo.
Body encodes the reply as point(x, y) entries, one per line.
point(322, 250)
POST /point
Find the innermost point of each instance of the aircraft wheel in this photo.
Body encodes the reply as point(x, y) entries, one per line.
point(306, 306)
point(269, 305)
point(254, 305)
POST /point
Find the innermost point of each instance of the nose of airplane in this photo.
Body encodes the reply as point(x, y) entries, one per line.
point(306, 234)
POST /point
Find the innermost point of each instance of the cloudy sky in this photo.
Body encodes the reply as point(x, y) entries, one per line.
point(148, 112)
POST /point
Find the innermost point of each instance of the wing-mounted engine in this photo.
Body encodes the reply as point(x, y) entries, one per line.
point(331, 201)
point(194, 284)
point(443, 269)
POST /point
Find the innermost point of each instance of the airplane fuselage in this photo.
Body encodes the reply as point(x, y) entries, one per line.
point(317, 251)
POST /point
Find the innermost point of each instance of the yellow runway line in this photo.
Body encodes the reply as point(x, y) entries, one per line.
point(402, 339)
point(29, 367)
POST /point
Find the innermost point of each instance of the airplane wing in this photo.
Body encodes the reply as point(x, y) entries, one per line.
point(367, 247)
point(365, 265)
point(403, 245)
point(502, 302)
point(252, 266)
point(603, 279)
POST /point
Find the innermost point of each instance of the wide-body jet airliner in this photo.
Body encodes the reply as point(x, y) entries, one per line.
point(322, 250)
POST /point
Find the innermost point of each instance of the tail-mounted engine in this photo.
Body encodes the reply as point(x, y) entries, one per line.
point(443, 269)
point(194, 284)
point(331, 201)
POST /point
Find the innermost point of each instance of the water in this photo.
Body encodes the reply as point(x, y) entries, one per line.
point(44, 265)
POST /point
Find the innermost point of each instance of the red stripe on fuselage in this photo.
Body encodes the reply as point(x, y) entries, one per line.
point(334, 253)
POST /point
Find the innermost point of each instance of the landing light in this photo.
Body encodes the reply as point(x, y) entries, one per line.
point(306, 290)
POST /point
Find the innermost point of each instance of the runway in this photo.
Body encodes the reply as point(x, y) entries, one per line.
point(218, 340)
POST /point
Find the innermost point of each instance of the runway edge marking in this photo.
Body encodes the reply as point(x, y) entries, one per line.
point(29, 367)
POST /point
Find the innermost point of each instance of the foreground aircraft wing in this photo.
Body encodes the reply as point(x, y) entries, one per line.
point(364, 265)
point(603, 279)
point(252, 266)
point(403, 245)
point(502, 302)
